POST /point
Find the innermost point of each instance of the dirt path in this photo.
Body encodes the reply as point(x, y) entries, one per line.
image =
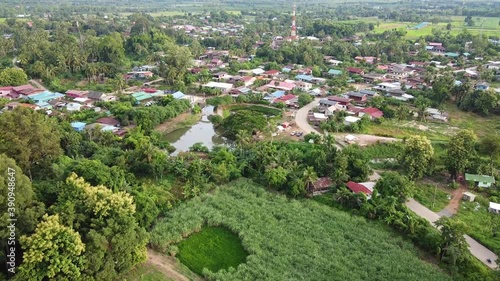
point(165, 264)
point(452, 207)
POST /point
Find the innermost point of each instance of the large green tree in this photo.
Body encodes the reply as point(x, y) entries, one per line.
point(13, 77)
point(106, 221)
point(53, 252)
point(461, 150)
point(16, 188)
point(416, 156)
point(29, 137)
point(393, 184)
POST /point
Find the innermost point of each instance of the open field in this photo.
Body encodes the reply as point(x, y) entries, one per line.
point(401, 129)
point(467, 120)
point(489, 26)
point(214, 248)
point(295, 239)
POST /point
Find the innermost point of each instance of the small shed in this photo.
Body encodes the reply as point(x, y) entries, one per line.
point(467, 196)
point(321, 185)
point(494, 208)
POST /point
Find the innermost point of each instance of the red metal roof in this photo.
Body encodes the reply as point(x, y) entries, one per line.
point(374, 112)
point(339, 99)
point(358, 188)
point(272, 72)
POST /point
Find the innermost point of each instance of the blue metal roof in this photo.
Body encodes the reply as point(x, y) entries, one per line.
point(304, 77)
point(178, 95)
point(45, 96)
point(79, 126)
point(278, 94)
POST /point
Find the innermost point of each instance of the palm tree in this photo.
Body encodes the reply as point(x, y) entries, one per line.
point(309, 177)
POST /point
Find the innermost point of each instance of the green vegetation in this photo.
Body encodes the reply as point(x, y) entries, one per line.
point(481, 224)
point(267, 110)
point(431, 197)
point(214, 248)
point(383, 150)
point(290, 239)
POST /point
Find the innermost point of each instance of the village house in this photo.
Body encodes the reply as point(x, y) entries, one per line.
point(355, 70)
point(369, 60)
point(303, 86)
point(480, 180)
point(372, 112)
point(289, 99)
point(359, 188)
point(334, 72)
point(220, 76)
point(281, 85)
point(320, 186)
point(223, 87)
point(138, 75)
point(373, 77)
point(76, 93)
point(271, 73)
point(357, 97)
point(342, 103)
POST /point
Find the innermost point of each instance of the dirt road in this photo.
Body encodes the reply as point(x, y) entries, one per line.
point(452, 207)
point(165, 264)
point(479, 251)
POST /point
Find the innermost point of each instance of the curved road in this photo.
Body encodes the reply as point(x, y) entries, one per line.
point(479, 251)
point(301, 117)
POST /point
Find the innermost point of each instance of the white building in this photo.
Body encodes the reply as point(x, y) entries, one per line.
point(494, 208)
point(223, 87)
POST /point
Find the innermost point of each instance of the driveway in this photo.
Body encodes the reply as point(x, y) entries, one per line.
point(479, 251)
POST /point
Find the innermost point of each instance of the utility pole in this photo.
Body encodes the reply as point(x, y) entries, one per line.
point(434, 199)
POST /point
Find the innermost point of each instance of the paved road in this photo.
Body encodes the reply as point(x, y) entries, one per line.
point(479, 251)
point(301, 117)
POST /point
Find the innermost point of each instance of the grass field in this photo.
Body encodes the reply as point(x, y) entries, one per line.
point(489, 26)
point(431, 197)
point(214, 248)
point(295, 239)
point(480, 224)
point(467, 120)
point(401, 129)
point(167, 14)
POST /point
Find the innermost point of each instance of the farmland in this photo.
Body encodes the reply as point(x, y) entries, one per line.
point(294, 239)
point(489, 26)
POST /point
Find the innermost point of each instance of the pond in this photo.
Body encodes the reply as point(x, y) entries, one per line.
point(203, 131)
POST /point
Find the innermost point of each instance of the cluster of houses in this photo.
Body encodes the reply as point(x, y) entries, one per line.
point(225, 29)
point(75, 100)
